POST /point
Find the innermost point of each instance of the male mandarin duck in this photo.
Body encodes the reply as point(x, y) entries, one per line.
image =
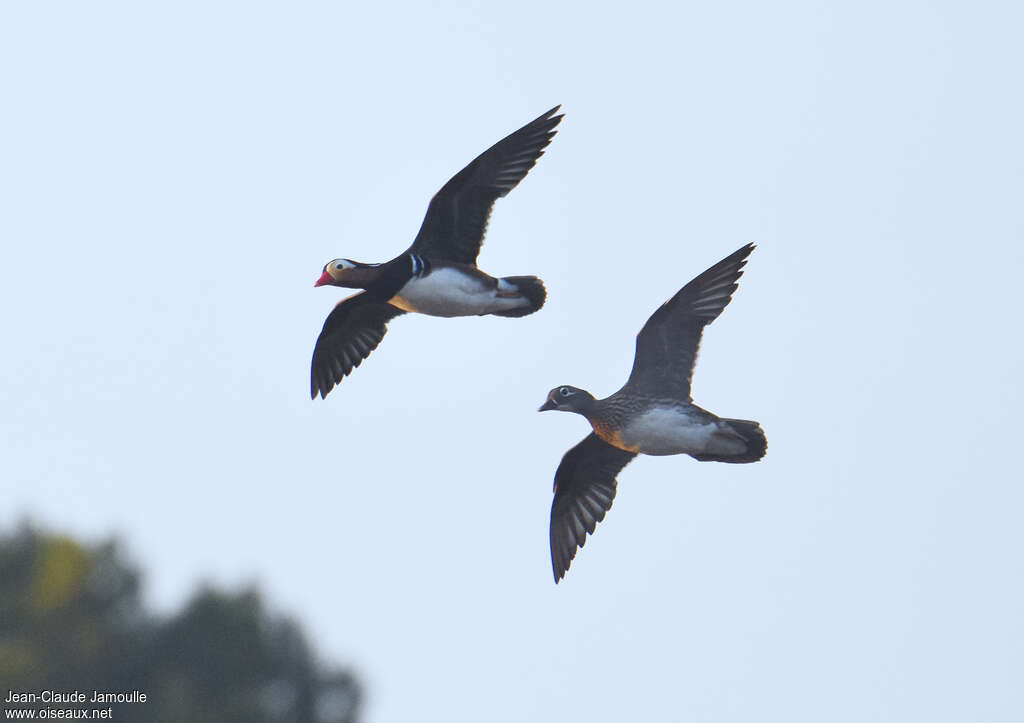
point(652, 414)
point(437, 275)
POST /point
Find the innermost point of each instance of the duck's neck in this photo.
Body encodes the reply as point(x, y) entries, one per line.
point(588, 408)
point(608, 411)
point(362, 276)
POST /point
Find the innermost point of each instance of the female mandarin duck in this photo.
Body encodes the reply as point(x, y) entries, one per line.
point(652, 414)
point(437, 275)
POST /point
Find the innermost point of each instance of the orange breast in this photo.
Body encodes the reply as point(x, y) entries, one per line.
point(611, 436)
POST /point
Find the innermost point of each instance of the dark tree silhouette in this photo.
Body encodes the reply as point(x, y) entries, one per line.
point(71, 619)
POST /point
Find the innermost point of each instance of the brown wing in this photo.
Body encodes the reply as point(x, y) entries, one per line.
point(666, 348)
point(456, 219)
point(350, 333)
point(584, 490)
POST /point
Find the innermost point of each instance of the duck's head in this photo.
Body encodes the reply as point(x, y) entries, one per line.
point(345, 272)
point(568, 399)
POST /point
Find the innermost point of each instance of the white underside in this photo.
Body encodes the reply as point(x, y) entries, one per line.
point(669, 430)
point(449, 292)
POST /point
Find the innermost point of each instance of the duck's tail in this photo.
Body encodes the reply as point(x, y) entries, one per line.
point(753, 437)
point(530, 288)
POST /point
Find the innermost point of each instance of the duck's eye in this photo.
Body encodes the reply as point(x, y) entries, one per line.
point(339, 267)
point(564, 391)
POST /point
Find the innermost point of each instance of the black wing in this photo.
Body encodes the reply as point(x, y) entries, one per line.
point(350, 333)
point(666, 348)
point(584, 490)
point(456, 219)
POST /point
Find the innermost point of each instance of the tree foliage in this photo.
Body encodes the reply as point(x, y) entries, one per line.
point(71, 618)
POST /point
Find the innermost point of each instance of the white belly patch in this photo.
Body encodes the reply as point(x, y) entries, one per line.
point(449, 292)
point(668, 430)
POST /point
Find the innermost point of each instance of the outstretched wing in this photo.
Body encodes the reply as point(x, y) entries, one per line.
point(456, 219)
point(350, 333)
point(666, 348)
point(584, 490)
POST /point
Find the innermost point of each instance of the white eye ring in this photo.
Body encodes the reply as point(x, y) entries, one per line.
point(339, 267)
point(564, 391)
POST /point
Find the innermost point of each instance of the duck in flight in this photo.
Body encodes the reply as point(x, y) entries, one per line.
point(437, 275)
point(652, 414)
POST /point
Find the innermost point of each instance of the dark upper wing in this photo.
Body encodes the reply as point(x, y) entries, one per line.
point(350, 333)
point(666, 348)
point(584, 490)
point(456, 219)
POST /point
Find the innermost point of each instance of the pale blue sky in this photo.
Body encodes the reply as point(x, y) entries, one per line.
point(174, 176)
